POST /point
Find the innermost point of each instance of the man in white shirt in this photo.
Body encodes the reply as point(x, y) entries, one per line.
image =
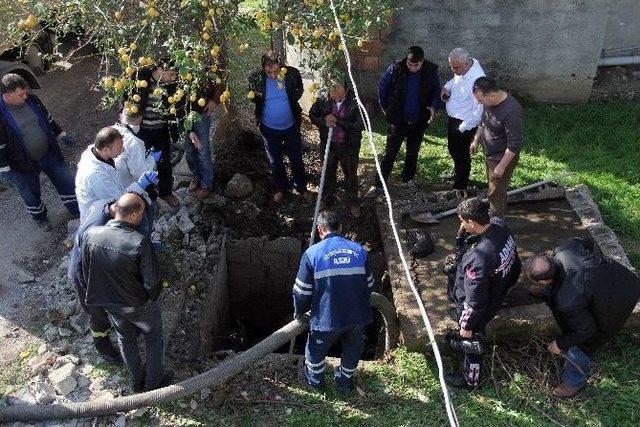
point(134, 160)
point(464, 112)
point(97, 178)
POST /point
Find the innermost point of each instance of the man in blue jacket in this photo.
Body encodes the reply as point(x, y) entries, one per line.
point(334, 282)
point(409, 95)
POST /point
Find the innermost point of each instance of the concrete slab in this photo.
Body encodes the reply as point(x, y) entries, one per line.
point(537, 226)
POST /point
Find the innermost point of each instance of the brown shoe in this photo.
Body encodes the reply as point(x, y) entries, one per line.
point(355, 211)
point(564, 391)
point(203, 193)
point(172, 200)
point(278, 197)
point(193, 185)
point(308, 196)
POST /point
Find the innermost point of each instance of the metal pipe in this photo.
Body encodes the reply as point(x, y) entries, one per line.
point(609, 61)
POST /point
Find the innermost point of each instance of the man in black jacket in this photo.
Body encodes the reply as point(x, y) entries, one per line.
point(121, 273)
point(409, 95)
point(29, 145)
point(276, 91)
point(488, 269)
point(340, 113)
point(591, 297)
point(156, 129)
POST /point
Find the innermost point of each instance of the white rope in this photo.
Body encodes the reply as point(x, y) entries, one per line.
point(451, 412)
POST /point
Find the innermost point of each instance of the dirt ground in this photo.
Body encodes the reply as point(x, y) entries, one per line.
point(24, 248)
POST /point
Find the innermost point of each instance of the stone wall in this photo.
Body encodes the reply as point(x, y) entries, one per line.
point(543, 49)
point(261, 274)
point(623, 25)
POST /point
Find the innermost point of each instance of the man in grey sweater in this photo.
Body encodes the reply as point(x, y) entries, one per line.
point(500, 134)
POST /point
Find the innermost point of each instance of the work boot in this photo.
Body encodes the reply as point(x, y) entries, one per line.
point(44, 224)
point(373, 192)
point(202, 193)
point(172, 200)
point(193, 185)
point(458, 381)
point(278, 197)
point(167, 379)
point(564, 391)
point(107, 351)
point(303, 382)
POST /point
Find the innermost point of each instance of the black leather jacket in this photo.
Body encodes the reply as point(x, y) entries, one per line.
point(351, 124)
point(293, 85)
point(592, 297)
point(119, 266)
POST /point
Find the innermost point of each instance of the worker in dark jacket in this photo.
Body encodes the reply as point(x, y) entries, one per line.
point(340, 112)
point(409, 95)
point(276, 91)
point(99, 323)
point(591, 297)
point(29, 145)
point(334, 282)
point(121, 273)
point(156, 85)
point(488, 269)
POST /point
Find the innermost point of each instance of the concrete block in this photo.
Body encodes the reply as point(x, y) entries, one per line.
point(63, 379)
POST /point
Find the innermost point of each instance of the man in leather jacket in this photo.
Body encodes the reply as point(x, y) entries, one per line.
point(340, 112)
point(276, 90)
point(485, 273)
point(120, 270)
point(591, 297)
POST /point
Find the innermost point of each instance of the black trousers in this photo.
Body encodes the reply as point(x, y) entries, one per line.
point(397, 133)
point(98, 318)
point(347, 156)
point(160, 139)
point(458, 144)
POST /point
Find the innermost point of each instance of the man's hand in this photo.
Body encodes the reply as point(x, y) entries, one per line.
point(554, 349)
point(433, 114)
point(473, 148)
point(195, 141)
point(66, 138)
point(331, 120)
point(466, 334)
point(498, 171)
point(445, 94)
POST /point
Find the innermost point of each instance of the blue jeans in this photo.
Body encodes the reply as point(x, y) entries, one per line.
point(199, 161)
point(146, 320)
point(318, 344)
point(277, 143)
point(28, 185)
point(572, 375)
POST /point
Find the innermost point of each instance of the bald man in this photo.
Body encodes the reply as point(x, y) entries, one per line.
point(120, 270)
point(591, 297)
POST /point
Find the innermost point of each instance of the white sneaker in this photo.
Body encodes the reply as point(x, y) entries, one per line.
point(373, 191)
point(411, 184)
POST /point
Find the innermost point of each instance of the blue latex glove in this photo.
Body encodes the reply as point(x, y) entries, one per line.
point(148, 178)
point(68, 140)
point(156, 154)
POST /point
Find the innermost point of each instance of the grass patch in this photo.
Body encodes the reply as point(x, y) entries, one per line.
point(598, 143)
point(404, 391)
point(13, 376)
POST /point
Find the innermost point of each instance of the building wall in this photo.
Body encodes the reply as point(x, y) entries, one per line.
point(547, 50)
point(623, 25)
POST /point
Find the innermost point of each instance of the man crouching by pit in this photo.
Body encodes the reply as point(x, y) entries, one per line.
point(488, 267)
point(334, 282)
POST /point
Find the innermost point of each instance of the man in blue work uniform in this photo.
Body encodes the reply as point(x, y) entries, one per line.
point(334, 282)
